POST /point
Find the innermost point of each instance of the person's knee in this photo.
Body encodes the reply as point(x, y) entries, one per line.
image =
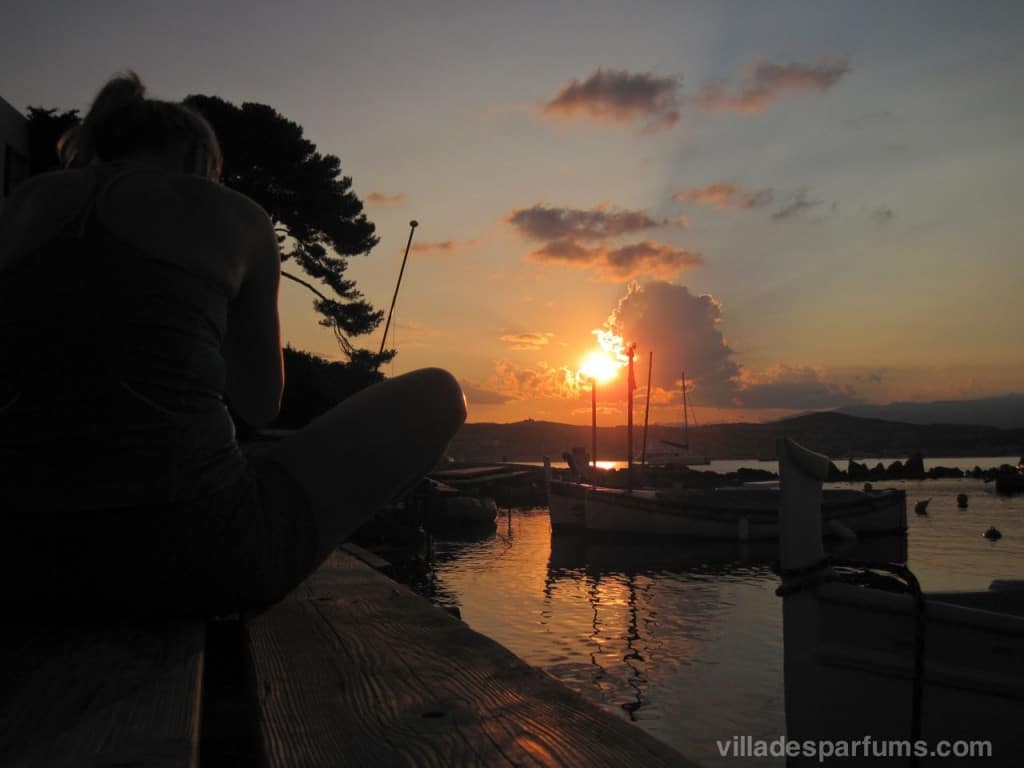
point(441, 393)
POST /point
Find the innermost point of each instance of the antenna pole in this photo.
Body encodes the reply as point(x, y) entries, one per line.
point(412, 228)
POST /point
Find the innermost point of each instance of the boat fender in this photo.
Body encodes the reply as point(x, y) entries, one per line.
point(743, 529)
point(961, 500)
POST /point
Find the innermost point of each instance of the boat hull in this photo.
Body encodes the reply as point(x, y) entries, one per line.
point(567, 505)
point(737, 514)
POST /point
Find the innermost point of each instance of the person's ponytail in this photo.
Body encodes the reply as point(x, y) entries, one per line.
point(98, 134)
point(122, 122)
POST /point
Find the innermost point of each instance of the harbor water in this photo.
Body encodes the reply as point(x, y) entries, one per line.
point(683, 638)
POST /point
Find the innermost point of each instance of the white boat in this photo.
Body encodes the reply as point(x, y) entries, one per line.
point(744, 513)
point(567, 504)
point(927, 669)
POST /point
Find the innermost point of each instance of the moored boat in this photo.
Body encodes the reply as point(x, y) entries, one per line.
point(867, 653)
point(743, 513)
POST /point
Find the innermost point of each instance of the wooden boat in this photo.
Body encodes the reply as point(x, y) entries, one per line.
point(567, 504)
point(865, 660)
point(744, 513)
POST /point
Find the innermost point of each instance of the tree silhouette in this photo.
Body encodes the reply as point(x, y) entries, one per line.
point(319, 219)
point(45, 127)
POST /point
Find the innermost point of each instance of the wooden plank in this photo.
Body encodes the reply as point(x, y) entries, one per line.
point(355, 669)
point(100, 696)
point(374, 561)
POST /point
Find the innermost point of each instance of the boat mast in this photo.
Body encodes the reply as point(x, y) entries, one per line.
point(630, 351)
point(647, 409)
point(593, 424)
point(686, 418)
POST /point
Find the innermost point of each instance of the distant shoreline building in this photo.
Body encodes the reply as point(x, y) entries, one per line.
point(13, 148)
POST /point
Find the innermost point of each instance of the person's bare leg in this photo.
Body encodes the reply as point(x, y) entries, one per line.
point(371, 447)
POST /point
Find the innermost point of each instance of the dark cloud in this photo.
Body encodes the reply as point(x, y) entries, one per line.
point(682, 330)
point(726, 195)
point(543, 222)
point(882, 214)
point(799, 203)
point(784, 386)
point(479, 396)
point(615, 95)
point(768, 81)
point(647, 258)
point(443, 246)
point(527, 341)
point(379, 198)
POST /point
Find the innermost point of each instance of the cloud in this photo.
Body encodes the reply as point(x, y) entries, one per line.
point(767, 81)
point(479, 396)
point(379, 198)
point(540, 382)
point(628, 262)
point(443, 246)
point(882, 214)
point(796, 206)
point(726, 195)
point(648, 258)
point(682, 330)
point(542, 222)
point(618, 96)
point(783, 386)
point(527, 342)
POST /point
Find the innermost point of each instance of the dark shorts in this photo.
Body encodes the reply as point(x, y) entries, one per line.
point(241, 548)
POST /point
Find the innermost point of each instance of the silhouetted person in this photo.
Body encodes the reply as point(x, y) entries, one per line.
point(136, 295)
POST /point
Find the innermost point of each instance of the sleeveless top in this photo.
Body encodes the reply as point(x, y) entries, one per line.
point(111, 374)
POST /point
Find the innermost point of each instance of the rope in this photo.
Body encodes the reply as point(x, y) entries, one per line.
point(891, 577)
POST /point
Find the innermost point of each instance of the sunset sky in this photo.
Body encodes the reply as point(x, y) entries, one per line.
point(805, 205)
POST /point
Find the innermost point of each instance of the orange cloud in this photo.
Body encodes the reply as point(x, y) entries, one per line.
point(527, 342)
point(647, 258)
point(618, 96)
point(543, 222)
point(725, 195)
point(543, 382)
point(767, 82)
point(379, 198)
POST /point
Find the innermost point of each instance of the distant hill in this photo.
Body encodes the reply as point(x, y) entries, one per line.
point(835, 434)
point(1005, 412)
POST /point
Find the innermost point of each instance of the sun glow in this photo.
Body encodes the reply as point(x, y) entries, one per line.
point(599, 366)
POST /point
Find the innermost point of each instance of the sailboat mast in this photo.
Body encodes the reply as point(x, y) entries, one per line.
point(647, 409)
point(630, 351)
point(686, 417)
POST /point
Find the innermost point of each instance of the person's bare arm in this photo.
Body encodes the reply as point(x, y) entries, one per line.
point(252, 347)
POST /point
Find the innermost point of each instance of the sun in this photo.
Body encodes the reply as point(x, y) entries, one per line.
point(599, 366)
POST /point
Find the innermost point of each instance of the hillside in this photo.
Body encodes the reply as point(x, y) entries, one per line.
point(1004, 411)
point(835, 434)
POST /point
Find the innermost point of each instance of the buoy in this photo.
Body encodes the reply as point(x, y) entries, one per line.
point(921, 508)
point(961, 500)
point(992, 534)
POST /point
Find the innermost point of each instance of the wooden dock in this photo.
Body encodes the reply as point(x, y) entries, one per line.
point(351, 669)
